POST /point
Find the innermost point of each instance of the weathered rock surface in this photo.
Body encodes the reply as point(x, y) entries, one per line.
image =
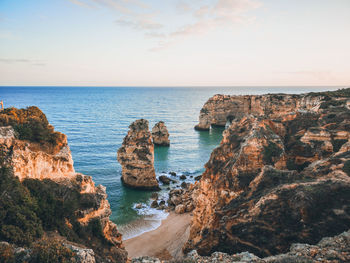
point(182, 200)
point(220, 109)
point(329, 249)
point(49, 165)
point(279, 176)
point(83, 255)
point(160, 134)
point(165, 179)
point(29, 161)
point(136, 155)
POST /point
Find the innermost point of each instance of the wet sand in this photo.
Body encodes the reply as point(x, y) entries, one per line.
point(165, 242)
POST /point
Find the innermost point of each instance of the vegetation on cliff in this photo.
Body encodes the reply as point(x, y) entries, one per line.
point(19, 221)
point(280, 174)
point(31, 124)
point(32, 208)
point(29, 208)
point(42, 195)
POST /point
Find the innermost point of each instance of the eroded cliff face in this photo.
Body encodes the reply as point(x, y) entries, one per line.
point(160, 134)
point(329, 249)
point(30, 161)
point(220, 109)
point(136, 155)
point(46, 169)
point(279, 176)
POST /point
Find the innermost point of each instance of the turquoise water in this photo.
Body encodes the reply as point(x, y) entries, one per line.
point(96, 119)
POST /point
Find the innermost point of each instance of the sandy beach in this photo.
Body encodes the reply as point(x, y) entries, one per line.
point(165, 242)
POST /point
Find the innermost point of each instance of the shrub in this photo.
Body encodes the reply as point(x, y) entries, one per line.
point(337, 144)
point(271, 151)
point(51, 252)
point(31, 124)
point(55, 203)
point(6, 253)
point(18, 220)
point(346, 167)
point(327, 104)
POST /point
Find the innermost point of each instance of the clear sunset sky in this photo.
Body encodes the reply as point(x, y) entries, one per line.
point(175, 42)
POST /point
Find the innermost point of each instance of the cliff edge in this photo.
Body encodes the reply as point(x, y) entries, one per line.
point(281, 174)
point(42, 196)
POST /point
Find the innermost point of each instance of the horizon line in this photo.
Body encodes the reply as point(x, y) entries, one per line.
point(168, 86)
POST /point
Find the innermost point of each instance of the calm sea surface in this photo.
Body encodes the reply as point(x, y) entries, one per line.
point(96, 119)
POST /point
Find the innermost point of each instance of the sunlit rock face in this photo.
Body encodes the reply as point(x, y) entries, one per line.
point(136, 156)
point(30, 161)
point(50, 162)
point(278, 177)
point(160, 134)
point(220, 109)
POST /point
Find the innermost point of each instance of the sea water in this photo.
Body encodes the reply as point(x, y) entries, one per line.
point(96, 119)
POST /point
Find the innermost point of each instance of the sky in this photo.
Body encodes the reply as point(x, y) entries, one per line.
point(175, 42)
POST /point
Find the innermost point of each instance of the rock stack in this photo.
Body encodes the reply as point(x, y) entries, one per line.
point(137, 157)
point(160, 134)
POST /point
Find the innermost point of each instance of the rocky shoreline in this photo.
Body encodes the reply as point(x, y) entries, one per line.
point(329, 249)
point(280, 176)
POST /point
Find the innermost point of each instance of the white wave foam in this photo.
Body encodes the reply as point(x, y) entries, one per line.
point(150, 219)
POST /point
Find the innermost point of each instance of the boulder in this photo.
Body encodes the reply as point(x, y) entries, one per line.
point(197, 178)
point(160, 134)
point(164, 179)
point(154, 196)
point(154, 204)
point(180, 209)
point(136, 156)
point(184, 185)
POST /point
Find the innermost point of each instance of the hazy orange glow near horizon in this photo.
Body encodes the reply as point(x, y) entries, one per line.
point(175, 43)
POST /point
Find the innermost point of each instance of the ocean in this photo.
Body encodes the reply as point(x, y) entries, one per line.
point(96, 119)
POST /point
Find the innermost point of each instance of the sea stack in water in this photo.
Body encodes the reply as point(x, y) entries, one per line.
point(160, 134)
point(137, 157)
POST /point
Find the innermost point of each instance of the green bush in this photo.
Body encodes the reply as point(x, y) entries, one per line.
point(31, 124)
point(19, 223)
point(51, 252)
point(337, 144)
point(346, 167)
point(7, 254)
point(327, 104)
point(56, 203)
point(271, 151)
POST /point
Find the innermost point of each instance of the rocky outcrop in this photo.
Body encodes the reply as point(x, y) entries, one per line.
point(329, 249)
point(136, 156)
point(80, 210)
point(160, 134)
point(278, 177)
point(182, 200)
point(29, 161)
point(220, 109)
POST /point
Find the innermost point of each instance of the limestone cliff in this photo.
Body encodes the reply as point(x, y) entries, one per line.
point(280, 175)
point(160, 134)
point(220, 109)
point(72, 205)
point(136, 155)
point(329, 249)
point(29, 161)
